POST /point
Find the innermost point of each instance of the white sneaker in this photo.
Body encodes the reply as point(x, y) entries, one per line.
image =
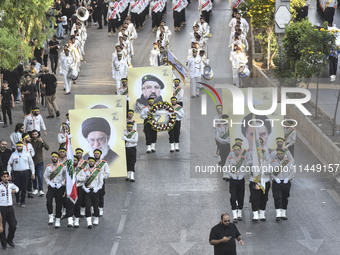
point(172, 147)
point(35, 192)
point(101, 211)
point(278, 214)
point(234, 216)
point(177, 147)
point(89, 222)
point(95, 221)
point(153, 147)
point(128, 176)
point(239, 214)
point(50, 219)
point(132, 179)
point(82, 211)
point(255, 216)
point(57, 223)
point(76, 222)
point(262, 215)
point(148, 149)
point(70, 222)
point(41, 193)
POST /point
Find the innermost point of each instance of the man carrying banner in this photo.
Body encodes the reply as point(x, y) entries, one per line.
point(93, 183)
point(281, 175)
point(80, 205)
point(236, 172)
point(131, 139)
point(178, 91)
point(150, 133)
point(176, 130)
point(55, 176)
point(259, 184)
point(104, 168)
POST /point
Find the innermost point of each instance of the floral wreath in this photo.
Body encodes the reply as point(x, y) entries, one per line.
point(165, 126)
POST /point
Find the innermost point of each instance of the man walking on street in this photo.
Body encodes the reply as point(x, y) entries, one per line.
point(49, 83)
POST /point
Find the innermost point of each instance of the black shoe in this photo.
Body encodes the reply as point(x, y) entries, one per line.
point(264, 219)
point(153, 150)
point(254, 220)
point(5, 247)
point(11, 122)
point(57, 114)
point(278, 218)
point(100, 28)
point(30, 195)
point(239, 218)
point(234, 220)
point(11, 243)
point(284, 218)
point(50, 116)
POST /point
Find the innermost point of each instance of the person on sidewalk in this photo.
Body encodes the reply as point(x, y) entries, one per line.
point(131, 138)
point(6, 102)
point(6, 210)
point(176, 130)
point(54, 47)
point(19, 166)
point(34, 121)
point(29, 94)
point(55, 176)
point(49, 84)
point(38, 144)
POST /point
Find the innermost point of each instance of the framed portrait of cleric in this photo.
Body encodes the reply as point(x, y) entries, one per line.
point(146, 82)
point(101, 129)
point(100, 102)
point(268, 127)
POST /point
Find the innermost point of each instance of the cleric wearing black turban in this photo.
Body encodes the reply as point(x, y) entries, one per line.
point(151, 88)
point(97, 132)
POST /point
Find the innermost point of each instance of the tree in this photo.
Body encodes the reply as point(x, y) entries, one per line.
point(261, 13)
point(20, 22)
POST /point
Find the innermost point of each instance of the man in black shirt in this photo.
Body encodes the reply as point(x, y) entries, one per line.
point(223, 236)
point(30, 94)
point(5, 154)
point(49, 83)
point(6, 102)
point(54, 46)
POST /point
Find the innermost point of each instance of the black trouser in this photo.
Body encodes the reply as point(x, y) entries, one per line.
point(29, 104)
point(236, 189)
point(80, 202)
point(7, 214)
point(14, 89)
point(99, 19)
point(224, 151)
point(175, 132)
point(29, 183)
point(329, 15)
point(291, 149)
point(281, 194)
point(150, 134)
point(183, 19)
point(104, 13)
point(206, 15)
point(131, 155)
point(6, 110)
point(45, 60)
point(135, 19)
point(101, 194)
point(21, 180)
point(69, 206)
point(54, 62)
point(112, 25)
point(177, 18)
point(57, 194)
point(258, 199)
point(333, 65)
point(91, 199)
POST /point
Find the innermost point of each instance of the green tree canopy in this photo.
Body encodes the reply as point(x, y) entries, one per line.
point(21, 21)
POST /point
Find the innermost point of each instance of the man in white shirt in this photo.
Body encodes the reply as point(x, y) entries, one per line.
point(154, 55)
point(6, 209)
point(119, 70)
point(66, 68)
point(195, 66)
point(19, 165)
point(34, 121)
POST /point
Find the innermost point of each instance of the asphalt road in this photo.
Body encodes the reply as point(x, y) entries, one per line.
point(169, 210)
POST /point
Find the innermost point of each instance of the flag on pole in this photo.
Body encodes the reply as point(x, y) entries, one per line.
point(178, 66)
point(257, 161)
point(71, 187)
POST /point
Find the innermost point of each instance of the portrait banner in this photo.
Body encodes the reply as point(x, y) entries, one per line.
point(100, 102)
point(101, 129)
point(146, 82)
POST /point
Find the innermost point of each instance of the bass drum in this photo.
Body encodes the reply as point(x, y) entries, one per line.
point(244, 71)
point(208, 73)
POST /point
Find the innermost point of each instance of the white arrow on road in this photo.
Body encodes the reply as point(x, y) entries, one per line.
point(183, 246)
point(310, 243)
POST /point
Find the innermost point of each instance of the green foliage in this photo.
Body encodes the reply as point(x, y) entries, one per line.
point(21, 21)
point(294, 6)
point(305, 50)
